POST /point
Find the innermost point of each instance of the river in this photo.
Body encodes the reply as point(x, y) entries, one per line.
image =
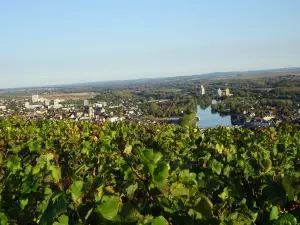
point(209, 119)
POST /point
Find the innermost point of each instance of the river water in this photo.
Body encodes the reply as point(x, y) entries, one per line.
point(209, 119)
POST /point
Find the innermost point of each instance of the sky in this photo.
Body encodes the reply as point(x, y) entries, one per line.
point(71, 41)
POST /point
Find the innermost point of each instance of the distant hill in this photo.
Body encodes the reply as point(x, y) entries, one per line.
point(187, 77)
point(156, 80)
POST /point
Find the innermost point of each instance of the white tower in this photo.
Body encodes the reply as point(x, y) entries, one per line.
point(202, 90)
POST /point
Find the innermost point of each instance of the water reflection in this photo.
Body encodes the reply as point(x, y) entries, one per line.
point(212, 119)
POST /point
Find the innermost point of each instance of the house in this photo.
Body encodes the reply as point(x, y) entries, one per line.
point(115, 119)
point(223, 92)
point(252, 114)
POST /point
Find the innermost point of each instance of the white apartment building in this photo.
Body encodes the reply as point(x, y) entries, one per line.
point(219, 92)
point(86, 102)
point(35, 98)
point(202, 90)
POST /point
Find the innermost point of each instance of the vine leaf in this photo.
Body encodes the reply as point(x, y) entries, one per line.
point(23, 203)
point(204, 206)
point(53, 210)
point(289, 190)
point(224, 195)
point(159, 221)
point(3, 219)
point(76, 190)
point(274, 213)
point(216, 166)
point(128, 149)
point(14, 163)
point(286, 219)
point(161, 173)
point(130, 190)
point(109, 207)
point(62, 220)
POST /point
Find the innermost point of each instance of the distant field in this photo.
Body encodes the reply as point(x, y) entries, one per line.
point(258, 75)
point(14, 95)
point(168, 90)
point(264, 89)
point(64, 96)
point(69, 96)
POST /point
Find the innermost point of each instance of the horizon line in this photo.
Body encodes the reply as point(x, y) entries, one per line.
point(150, 78)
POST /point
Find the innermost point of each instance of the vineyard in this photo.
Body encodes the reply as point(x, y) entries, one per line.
point(61, 172)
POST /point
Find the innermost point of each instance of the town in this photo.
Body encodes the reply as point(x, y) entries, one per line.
point(160, 103)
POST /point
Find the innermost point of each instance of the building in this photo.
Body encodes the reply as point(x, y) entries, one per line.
point(222, 92)
point(86, 102)
point(202, 90)
point(227, 92)
point(28, 106)
point(56, 104)
point(115, 119)
point(91, 112)
point(2, 107)
point(35, 98)
point(219, 92)
point(100, 104)
point(47, 102)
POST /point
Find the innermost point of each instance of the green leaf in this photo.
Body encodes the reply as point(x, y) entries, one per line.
point(224, 195)
point(179, 190)
point(109, 207)
point(88, 213)
point(23, 203)
point(15, 149)
point(130, 190)
point(219, 148)
point(128, 175)
point(128, 213)
point(56, 173)
point(36, 169)
point(226, 171)
point(49, 156)
point(161, 173)
point(49, 144)
point(76, 190)
point(53, 210)
point(128, 149)
point(194, 214)
point(274, 213)
point(286, 219)
point(28, 169)
point(204, 206)
point(152, 156)
point(216, 166)
point(62, 220)
point(159, 221)
point(14, 163)
point(289, 190)
point(3, 219)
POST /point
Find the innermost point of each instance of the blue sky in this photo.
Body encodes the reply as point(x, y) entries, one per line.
point(54, 42)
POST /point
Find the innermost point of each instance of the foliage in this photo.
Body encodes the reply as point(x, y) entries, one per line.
point(61, 172)
point(187, 119)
